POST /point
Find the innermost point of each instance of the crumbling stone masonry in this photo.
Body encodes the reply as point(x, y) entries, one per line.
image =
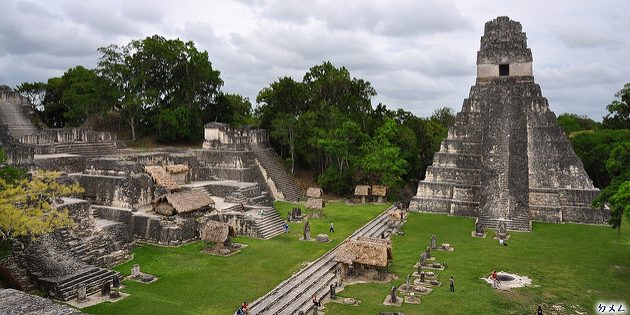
point(506, 158)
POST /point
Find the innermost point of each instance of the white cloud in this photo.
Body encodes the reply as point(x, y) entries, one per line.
point(419, 55)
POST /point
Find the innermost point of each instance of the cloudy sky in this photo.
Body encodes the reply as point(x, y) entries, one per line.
point(419, 55)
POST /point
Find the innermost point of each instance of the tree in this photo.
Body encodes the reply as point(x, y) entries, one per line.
point(445, 116)
point(25, 205)
point(594, 149)
point(83, 93)
point(570, 123)
point(34, 92)
point(381, 161)
point(283, 129)
point(284, 95)
point(620, 204)
point(233, 109)
point(619, 110)
point(158, 80)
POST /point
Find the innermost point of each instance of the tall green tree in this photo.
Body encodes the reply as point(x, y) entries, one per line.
point(166, 82)
point(381, 161)
point(620, 204)
point(618, 116)
point(570, 123)
point(34, 92)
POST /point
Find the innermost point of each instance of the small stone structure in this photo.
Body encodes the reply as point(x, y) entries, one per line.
point(217, 232)
point(505, 158)
point(365, 252)
point(361, 193)
point(182, 202)
point(314, 192)
point(379, 193)
point(314, 203)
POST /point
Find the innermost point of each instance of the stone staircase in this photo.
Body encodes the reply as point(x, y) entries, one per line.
point(66, 289)
point(13, 114)
point(295, 294)
point(270, 225)
point(87, 149)
point(520, 223)
point(275, 169)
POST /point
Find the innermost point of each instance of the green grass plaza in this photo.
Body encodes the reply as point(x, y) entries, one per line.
point(573, 268)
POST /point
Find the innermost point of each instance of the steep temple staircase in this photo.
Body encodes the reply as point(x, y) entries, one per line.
point(275, 169)
point(13, 114)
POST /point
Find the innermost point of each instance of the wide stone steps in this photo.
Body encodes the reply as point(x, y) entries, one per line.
point(93, 279)
point(269, 160)
point(294, 294)
point(270, 225)
point(86, 149)
point(518, 224)
point(13, 115)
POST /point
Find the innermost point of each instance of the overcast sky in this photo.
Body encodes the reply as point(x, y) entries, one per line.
point(418, 55)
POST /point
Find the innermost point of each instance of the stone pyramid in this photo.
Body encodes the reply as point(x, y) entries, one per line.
point(506, 159)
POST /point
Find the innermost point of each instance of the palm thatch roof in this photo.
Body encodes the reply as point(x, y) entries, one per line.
point(161, 177)
point(182, 202)
point(378, 190)
point(368, 253)
point(362, 190)
point(382, 241)
point(216, 232)
point(314, 192)
point(177, 168)
point(314, 203)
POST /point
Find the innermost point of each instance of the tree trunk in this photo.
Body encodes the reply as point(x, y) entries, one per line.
point(292, 148)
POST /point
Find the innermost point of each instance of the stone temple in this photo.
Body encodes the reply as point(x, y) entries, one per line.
point(506, 158)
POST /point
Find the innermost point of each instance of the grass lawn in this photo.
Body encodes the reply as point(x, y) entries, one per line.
point(572, 265)
point(191, 282)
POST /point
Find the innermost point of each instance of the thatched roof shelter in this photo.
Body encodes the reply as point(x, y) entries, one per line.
point(382, 241)
point(362, 190)
point(363, 252)
point(182, 202)
point(314, 192)
point(378, 190)
point(177, 168)
point(314, 203)
point(216, 232)
point(161, 177)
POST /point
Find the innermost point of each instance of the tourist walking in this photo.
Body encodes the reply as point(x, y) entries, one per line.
point(332, 228)
point(316, 301)
point(495, 281)
point(452, 284)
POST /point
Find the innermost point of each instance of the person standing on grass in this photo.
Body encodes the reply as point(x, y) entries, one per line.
point(332, 228)
point(452, 284)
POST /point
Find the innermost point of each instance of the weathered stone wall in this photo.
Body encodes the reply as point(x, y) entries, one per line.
point(18, 302)
point(16, 153)
point(68, 135)
point(118, 191)
point(244, 225)
point(154, 229)
point(221, 136)
point(68, 164)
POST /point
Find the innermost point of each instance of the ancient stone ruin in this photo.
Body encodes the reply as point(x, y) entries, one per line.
point(506, 159)
point(164, 197)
